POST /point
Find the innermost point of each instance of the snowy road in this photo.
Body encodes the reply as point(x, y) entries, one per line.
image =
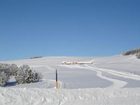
point(116, 83)
point(117, 73)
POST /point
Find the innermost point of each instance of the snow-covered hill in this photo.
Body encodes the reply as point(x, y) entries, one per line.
point(108, 81)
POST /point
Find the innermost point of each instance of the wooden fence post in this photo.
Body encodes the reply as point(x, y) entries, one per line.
point(57, 86)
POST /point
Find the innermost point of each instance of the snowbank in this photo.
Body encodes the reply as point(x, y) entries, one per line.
point(35, 96)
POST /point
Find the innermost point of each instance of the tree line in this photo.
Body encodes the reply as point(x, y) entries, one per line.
point(133, 52)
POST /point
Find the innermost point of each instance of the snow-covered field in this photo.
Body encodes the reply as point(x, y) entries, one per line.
point(108, 81)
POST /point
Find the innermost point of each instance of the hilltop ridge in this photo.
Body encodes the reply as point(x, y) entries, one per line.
point(135, 52)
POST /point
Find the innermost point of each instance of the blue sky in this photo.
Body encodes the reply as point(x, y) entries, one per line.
point(68, 27)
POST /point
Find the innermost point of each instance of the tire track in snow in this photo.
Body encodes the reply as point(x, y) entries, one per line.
point(117, 73)
point(116, 83)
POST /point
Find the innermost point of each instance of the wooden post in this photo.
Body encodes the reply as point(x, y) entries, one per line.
point(57, 80)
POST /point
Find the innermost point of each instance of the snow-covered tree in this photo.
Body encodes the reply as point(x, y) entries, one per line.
point(138, 55)
point(20, 76)
point(13, 69)
point(36, 77)
point(3, 78)
point(23, 74)
point(26, 75)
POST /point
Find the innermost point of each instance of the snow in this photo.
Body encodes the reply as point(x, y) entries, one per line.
point(36, 96)
point(108, 81)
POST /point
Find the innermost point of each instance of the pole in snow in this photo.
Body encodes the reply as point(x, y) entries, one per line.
point(56, 79)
